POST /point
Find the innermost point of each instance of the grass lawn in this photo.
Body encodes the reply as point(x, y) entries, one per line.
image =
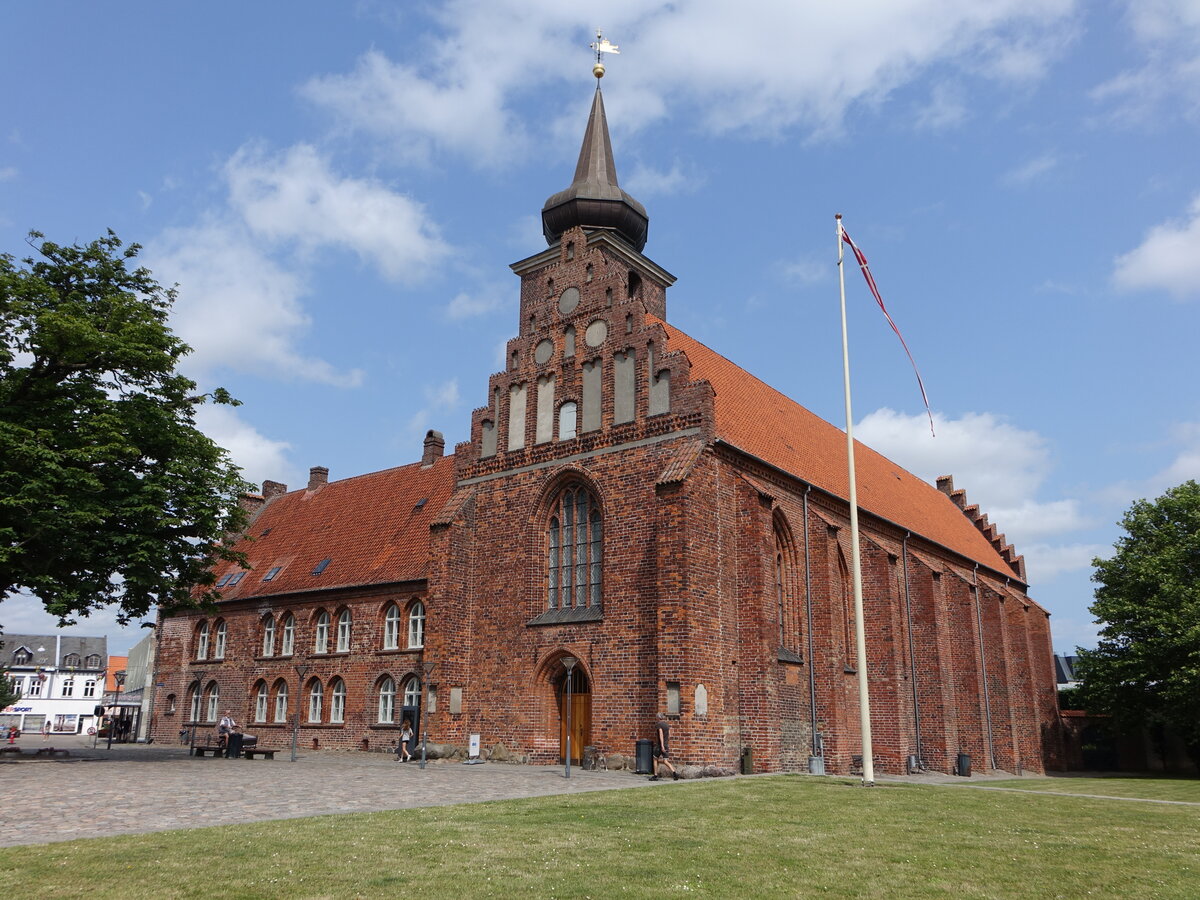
point(1148, 787)
point(783, 836)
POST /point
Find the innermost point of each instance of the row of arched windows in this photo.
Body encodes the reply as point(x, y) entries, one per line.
point(322, 702)
point(330, 633)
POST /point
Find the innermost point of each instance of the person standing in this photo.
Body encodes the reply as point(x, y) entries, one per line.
point(662, 747)
point(45, 731)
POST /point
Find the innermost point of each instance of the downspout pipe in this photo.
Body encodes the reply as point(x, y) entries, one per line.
point(817, 749)
point(987, 701)
point(912, 655)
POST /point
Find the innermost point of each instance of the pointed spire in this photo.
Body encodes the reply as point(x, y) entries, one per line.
point(595, 199)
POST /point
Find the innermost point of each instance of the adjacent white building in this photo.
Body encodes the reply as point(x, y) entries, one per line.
point(60, 679)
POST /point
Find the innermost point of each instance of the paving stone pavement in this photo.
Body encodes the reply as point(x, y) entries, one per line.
point(138, 788)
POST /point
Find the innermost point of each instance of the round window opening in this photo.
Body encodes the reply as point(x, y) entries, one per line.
point(596, 333)
point(568, 300)
point(543, 351)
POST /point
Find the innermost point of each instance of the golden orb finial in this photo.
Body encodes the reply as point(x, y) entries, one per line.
point(598, 70)
point(601, 47)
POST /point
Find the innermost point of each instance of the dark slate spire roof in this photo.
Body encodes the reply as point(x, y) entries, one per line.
point(594, 199)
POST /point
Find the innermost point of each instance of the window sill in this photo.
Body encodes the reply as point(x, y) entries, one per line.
point(397, 651)
point(567, 616)
point(384, 726)
point(789, 656)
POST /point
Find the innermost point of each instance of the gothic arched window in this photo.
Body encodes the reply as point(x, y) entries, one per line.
point(787, 594)
point(575, 549)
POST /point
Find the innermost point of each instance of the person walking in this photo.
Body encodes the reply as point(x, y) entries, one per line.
point(45, 731)
point(662, 747)
point(404, 751)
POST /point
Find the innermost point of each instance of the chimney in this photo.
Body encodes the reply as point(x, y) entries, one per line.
point(435, 446)
point(318, 477)
point(251, 504)
point(272, 489)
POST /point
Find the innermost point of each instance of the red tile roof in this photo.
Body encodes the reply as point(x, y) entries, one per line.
point(756, 418)
point(369, 528)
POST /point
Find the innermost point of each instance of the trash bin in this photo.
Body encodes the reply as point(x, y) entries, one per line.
point(963, 767)
point(644, 762)
point(233, 745)
point(747, 761)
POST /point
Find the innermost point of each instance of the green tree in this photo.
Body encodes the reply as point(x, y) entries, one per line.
point(1145, 672)
point(8, 695)
point(109, 494)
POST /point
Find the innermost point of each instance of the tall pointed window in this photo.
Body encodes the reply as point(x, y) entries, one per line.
point(281, 700)
point(387, 701)
point(268, 635)
point(202, 641)
point(574, 550)
point(391, 628)
point(343, 632)
point(289, 635)
point(321, 641)
point(316, 697)
point(416, 626)
point(194, 702)
point(337, 701)
point(787, 605)
point(412, 692)
point(214, 701)
point(222, 633)
point(260, 702)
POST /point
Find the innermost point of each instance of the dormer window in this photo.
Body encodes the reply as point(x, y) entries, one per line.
point(22, 657)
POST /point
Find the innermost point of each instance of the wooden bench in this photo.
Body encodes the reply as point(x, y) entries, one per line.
point(201, 749)
point(251, 752)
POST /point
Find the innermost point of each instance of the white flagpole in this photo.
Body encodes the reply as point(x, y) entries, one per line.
point(860, 635)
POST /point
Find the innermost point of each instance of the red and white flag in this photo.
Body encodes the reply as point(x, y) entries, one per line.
point(866, 270)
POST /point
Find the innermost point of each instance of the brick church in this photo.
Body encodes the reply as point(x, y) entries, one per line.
point(638, 516)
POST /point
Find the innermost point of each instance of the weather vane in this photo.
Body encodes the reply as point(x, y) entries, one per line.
point(602, 46)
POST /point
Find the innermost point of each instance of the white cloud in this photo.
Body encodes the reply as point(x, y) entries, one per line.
point(295, 197)
point(237, 307)
point(259, 456)
point(806, 270)
point(1168, 34)
point(477, 303)
point(646, 181)
point(1046, 561)
point(759, 66)
point(946, 108)
point(25, 614)
point(439, 398)
point(7, 173)
point(1032, 170)
point(1168, 259)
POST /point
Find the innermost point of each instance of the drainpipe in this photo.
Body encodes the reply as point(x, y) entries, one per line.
point(817, 749)
point(912, 655)
point(987, 701)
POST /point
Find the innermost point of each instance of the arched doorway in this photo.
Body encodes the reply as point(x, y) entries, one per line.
point(581, 713)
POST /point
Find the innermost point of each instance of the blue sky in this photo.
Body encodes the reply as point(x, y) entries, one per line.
point(339, 189)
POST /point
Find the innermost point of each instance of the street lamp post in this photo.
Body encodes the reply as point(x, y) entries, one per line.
point(569, 664)
point(428, 667)
point(119, 679)
point(300, 672)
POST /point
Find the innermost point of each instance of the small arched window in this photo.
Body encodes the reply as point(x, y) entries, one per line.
point(71, 660)
point(194, 702)
point(316, 698)
point(214, 701)
point(22, 657)
point(574, 550)
point(337, 701)
point(387, 701)
point(321, 639)
point(416, 626)
point(343, 632)
point(222, 632)
point(93, 661)
point(260, 702)
point(391, 627)
point(170, 704)
point(202, 641)
point(281, 701)
point(289, 635)
point(89, 688)
point(268, 636)
point(412, 692)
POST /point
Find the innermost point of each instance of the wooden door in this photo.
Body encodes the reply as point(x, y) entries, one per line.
point(581, 716)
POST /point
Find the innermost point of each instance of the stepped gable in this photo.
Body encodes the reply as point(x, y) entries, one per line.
point(761, 421)
point(373, 529)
